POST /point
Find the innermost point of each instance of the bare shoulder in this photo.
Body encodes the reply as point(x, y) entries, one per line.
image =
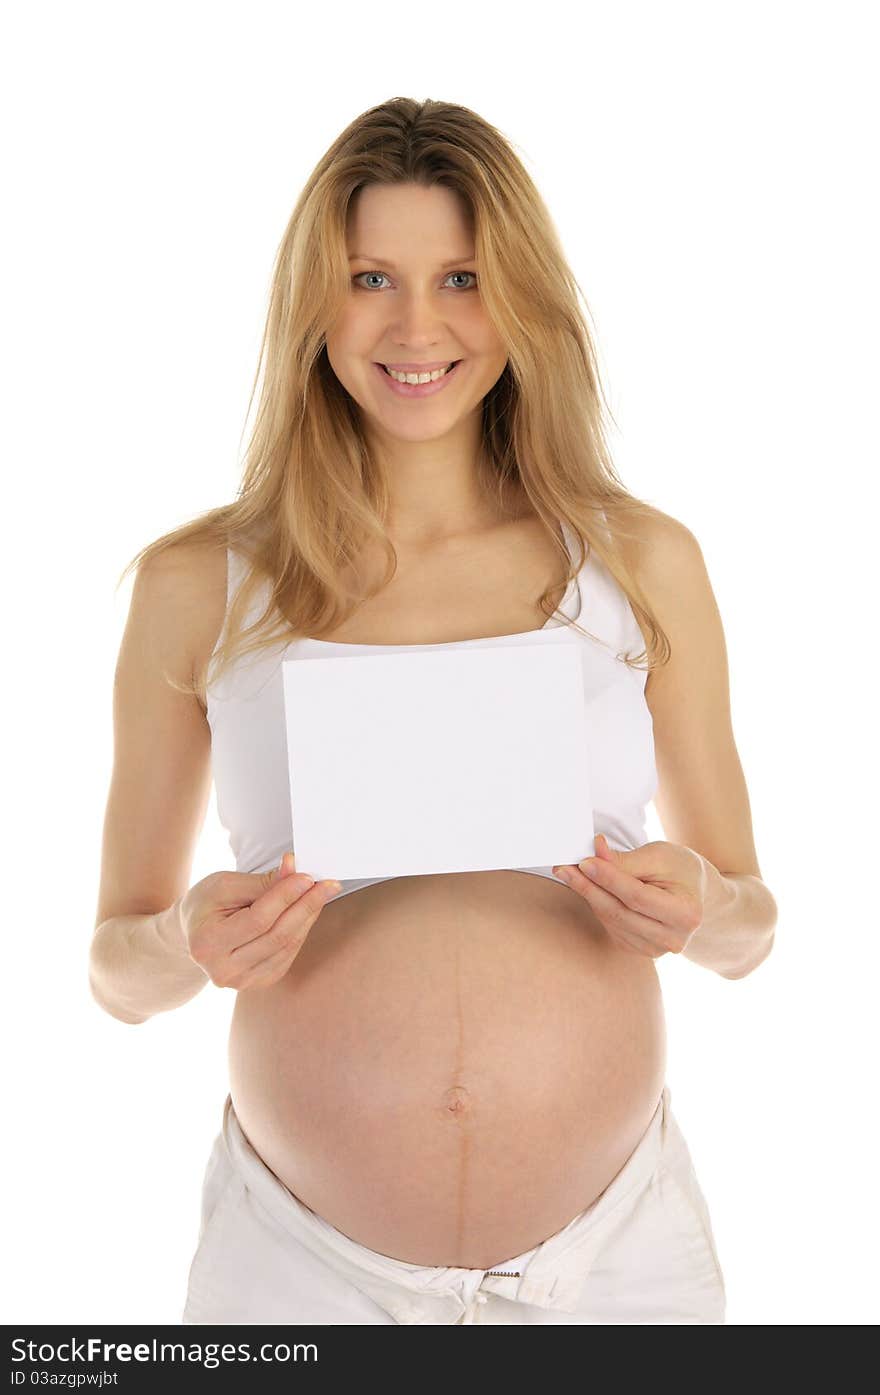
point(664, 552)
point(668, 564)
point(186, 584)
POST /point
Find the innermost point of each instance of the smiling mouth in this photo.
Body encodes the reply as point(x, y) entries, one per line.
point(448, 370)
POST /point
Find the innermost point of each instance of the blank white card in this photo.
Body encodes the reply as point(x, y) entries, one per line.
point(439, 760)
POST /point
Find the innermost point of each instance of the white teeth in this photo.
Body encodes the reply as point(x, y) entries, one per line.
point(417, 377)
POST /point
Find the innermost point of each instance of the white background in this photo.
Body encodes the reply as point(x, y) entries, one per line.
point(709, 167)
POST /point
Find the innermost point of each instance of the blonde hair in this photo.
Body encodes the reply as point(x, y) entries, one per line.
point(312, 494)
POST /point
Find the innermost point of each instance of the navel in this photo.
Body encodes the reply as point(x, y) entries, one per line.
point(456, 1101)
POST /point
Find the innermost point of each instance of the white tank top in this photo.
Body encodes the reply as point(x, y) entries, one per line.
point(245, 709)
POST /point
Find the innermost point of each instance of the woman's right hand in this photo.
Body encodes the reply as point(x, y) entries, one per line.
point(244, 929)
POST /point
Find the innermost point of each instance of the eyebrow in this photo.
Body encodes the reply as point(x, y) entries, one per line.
point(383, 261)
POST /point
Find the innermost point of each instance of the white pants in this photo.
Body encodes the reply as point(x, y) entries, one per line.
point(643, 1252)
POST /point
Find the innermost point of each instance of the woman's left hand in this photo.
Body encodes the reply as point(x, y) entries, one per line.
point(650, 900)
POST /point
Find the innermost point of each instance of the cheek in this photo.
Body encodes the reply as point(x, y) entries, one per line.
point(347, 332)
point(475, 322)
point(490, 351)
point(349, 347)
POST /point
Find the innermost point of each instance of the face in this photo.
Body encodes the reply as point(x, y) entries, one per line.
point(414, 299)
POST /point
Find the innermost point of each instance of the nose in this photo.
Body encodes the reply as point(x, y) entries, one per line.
point(418, 321)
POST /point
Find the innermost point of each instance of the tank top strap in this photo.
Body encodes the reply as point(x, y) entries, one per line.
point(236, 567)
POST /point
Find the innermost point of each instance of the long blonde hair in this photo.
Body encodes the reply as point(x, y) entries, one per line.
point(312, 493)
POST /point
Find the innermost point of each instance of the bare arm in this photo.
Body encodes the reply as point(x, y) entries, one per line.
point(139, 965)
point(738, 926)
point(138, 961)
point(702, 799)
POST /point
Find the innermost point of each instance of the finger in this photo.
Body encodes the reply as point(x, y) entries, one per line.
point(286, 866)
point(241, 888)
point(647, 900)
point(249, 922)
point(617, 918)
point(286, 932)
point(269, 971)
point(249, 915)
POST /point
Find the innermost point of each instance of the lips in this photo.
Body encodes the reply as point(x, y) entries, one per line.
point(403, 389)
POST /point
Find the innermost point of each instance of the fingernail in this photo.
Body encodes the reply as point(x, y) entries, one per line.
point(333, 887)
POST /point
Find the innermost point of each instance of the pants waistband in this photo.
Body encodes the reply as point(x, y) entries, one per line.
point(551, 1275)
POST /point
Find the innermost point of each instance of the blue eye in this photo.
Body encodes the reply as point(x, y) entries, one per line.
point(361, 274)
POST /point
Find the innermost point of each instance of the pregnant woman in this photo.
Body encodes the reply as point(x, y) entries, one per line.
point(447, 1092)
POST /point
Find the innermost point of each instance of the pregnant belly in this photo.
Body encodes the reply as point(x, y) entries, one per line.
point(453, 1067)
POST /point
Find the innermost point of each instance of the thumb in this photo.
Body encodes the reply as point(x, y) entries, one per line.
point(617, 858)
point(286, 866)
point(648, 862)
